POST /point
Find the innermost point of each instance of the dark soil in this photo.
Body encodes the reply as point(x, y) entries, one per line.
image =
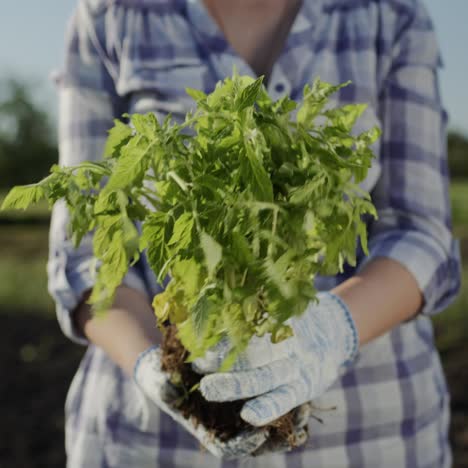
point(37, 364)
point(455, 363)
point(222, 419)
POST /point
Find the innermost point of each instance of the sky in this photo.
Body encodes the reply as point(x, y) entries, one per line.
point(32, 31)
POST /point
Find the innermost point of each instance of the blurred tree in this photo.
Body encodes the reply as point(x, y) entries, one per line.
point(458, 155)
point(27, 140)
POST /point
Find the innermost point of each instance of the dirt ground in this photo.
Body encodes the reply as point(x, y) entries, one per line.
point(37, 364)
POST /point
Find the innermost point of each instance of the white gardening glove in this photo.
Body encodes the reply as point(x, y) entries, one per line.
point(280, 377)
point(155, 384)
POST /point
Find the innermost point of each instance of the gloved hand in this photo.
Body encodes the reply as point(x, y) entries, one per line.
point(155, 384)
point(280, 377)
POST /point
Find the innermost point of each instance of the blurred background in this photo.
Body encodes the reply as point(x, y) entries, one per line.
point(36, 361)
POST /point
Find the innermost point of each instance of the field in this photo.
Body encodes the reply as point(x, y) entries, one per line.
point(40, 362)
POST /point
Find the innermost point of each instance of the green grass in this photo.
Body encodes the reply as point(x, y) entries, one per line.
point(23, 277)
point(452, 324)
point(459, 197)
point(23, 285)
point(23, 242)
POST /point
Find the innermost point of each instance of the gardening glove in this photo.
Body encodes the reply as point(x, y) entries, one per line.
point(279, 377)
point(155, 384)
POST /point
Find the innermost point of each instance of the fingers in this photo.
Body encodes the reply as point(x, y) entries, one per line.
point(260, 352)
point(259, 442)
point(298, 438)
point(148, 374)
point(231, 386)
point(266, 408)
point(160, 392)
point(240, 446)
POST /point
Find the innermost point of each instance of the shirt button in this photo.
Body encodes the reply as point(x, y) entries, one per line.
point(279, 87)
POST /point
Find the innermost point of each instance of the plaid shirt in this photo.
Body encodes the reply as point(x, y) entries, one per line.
point(138, 56)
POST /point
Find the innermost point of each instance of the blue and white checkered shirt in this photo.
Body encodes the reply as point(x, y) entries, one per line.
point(139, 56)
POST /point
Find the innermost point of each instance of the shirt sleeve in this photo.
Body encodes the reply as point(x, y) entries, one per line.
point(88, 103)
point(412, 196)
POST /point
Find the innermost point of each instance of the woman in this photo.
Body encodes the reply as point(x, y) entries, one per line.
point(391, 398)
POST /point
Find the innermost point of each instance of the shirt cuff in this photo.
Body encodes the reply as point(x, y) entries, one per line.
point(69, 278)
point(437, 270)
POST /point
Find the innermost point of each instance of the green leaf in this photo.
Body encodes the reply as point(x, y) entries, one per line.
point(146, 125)
point(311, 190)
point(256, 173)
point(109, 246)
point(22, 196)
point(103, 235)
point(242, 205)
point(155, 231)
point(212, 251)
point(285, 105)
point(106, 203)
point(369, 137)
point(187, 273)
point(250, 94)
point(131, 167)
point(198, 346)
point(283, 332)
point(345, 117)
point(201, 312)
point(119, 135)
point(241, 249)
point(362, 231)
point(81, 220)
point(277, 273)
point(182, 232)
point(130, 238)
point(196, 94)
point(315, 99)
